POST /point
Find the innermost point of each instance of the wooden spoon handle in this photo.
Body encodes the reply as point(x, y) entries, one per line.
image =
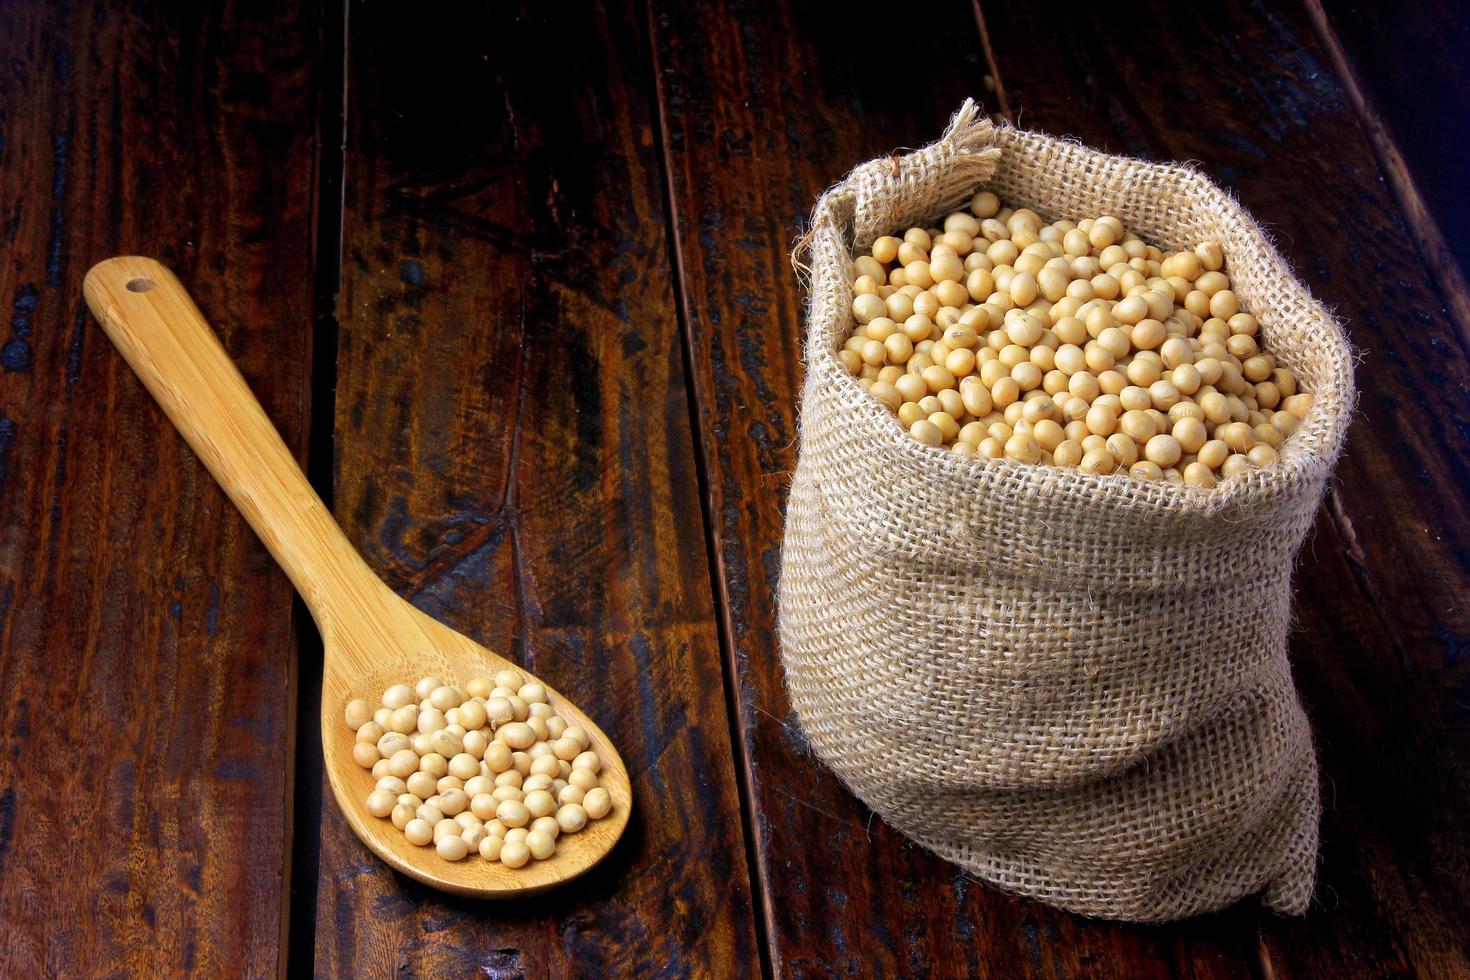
point(155, 324)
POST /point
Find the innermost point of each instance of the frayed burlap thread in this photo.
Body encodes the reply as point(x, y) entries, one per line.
point(1074, 686)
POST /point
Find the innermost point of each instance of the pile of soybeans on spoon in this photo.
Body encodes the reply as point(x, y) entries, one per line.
point(1070, 344)
point(490, 768)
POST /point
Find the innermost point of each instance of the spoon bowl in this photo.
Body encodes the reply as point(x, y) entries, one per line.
point(372, 638)
point(456, 658)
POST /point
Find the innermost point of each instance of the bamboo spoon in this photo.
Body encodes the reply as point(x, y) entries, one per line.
point(372, 638)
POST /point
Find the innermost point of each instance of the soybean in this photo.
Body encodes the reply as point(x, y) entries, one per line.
point(1072, 344)
point(492, 768)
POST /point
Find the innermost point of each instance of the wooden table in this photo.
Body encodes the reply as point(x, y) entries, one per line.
point(515, 286)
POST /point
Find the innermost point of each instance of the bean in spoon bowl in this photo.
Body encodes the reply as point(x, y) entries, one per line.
point(537, 752)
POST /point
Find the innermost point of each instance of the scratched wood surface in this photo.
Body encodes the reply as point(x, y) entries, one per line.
point(514, 454)
point(550, 384)
point(1392, 854)
point(1394, 887)
point(1402, 54)
point(866, 902)
point(145, 638)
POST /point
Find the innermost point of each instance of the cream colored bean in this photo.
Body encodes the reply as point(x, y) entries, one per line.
point(499, 757)
point(540, 803)
point(405, 719)
point(597, 803)
point(452, 848)
point(514, 854)
point(419, 831)
point(539, 781)
point(464, 766)
point(512, 813)
point(358, 714)
point(397, 696)
point(1074, 312)
point(483, 805)
point(571, 817)
point(518, 735)
point(421, 784)
point(380, 802)
point(540, 844)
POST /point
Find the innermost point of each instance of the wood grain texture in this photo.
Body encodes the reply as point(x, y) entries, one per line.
point(1338, 226)
point(1439, 122)
point(1409, 59)
point(514, 452)
point(866, 902)
point(146, 635)
point(1268, 120)
point(514, 455)
point(1394, 879)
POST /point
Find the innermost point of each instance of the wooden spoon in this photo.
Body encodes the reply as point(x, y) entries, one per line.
point(372, 638)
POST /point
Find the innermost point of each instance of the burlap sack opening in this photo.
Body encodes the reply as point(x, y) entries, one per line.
point(1074, 686)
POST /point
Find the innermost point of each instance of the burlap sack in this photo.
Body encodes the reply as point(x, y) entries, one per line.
point(1074, 686)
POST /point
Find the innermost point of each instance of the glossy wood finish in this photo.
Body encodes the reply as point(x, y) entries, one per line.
point(559, 415)
point(145, 637)
point(513, 454)
point(1399, 510)
point(1398, 54)
point(1258, 102)
point(1429, 122)
point(741, 188)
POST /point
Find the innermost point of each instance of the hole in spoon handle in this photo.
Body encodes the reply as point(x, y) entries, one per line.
point(165, 338)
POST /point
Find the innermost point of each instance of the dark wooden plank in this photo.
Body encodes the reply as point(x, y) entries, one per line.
point(1347, 241)
point(145, 635)
point(514, 453)
point(1247, 92)
point(1409, 60)
point(766, 105)
point(1391, 889)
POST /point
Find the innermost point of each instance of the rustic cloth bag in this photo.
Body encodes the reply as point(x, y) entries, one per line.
point(1074, 686)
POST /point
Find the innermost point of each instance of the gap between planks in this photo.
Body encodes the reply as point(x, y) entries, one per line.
point(304, 754)
point(764, 917)
point(298, 914)
point(1332, 504)
point(1448, 279)
point(1447, 282)
point(1002, 104)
